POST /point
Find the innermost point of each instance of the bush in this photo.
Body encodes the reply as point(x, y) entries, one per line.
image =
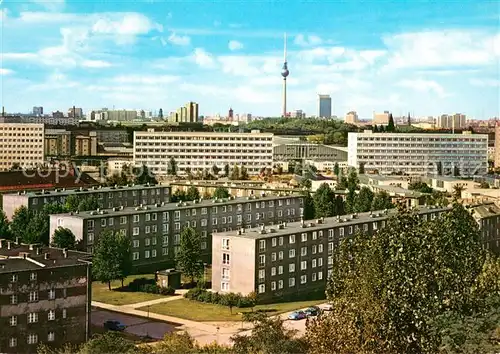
point(151, 288)
point(202, 295)
point(139, 283)
point(167, 291)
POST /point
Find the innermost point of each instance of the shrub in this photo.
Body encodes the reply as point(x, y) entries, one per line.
point(151, 288)
point(139, 283)
point(226, 299)
point(167, 291)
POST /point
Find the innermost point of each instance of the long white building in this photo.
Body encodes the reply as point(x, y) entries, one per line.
point(22, 144)
point(418, 154)
point(202, 150)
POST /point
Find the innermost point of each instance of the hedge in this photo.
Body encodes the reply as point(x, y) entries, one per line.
point(226, 299)
point(148, 286)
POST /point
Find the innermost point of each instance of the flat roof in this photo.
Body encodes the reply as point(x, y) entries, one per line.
point(451, 179)
point(207, 134)
point(401, 191)
point(88, 190)
point(419, 135)
point(18, 257)
point(313, 225)
point(238, 186)
point(203, 203)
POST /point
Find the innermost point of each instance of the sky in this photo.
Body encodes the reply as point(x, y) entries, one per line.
point(423, 57)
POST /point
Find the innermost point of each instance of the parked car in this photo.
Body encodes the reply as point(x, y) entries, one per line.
point(113, 325)
point(328, 307)
point(312, 311)
point(297, 315)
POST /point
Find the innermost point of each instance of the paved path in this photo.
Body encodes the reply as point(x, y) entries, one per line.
point(152, 302)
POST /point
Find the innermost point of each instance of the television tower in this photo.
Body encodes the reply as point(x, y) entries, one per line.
point(284, 73)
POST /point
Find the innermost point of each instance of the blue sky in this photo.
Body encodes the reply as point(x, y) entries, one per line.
point(426, 57)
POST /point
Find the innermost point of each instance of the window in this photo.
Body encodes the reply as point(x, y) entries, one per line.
point(330, 234)
point(148, 229)
point(273, 285)
point(33, 296)
point(273, 271)
point(341, 232)
point(313, 263)
point(214, 221)
point(203, 211)
point(303, 237)
point(164, 251)
point(280, 270)
point(274, 242)
point(177, 226)
point(291, 239)
point(320, 262)
point(13, 341)
point(320, 275)
point(291, 282)
point(154, 216)
point(135, 231)
point(365, 227)
point(51, 337)
point(13, 320)
point(52, 294)
point(165, 216)
point(262, 275)
point(330, 246)
point(135, 256)
point(51, 315)
point(303, 265)
point(177, 215)
point(313, 276)
point(303, 251)
point(291, 253)
point(291, 267)
point(64, 293)
point(225, 273)
point(350, 230)
point(136, 218)
point(203, 245)
point(262, 260)
point(225, 258)
point(32, 338)
point(320, 248)
point(314, 249)
point(280, 241)
point(146, 254)
point(280, 255)
point(147, 242)
point(64, 313)
point(375, 225)
point(32, 317)
point(153, 253)
point(314, 235)
point(273, 257)
point(90, 224)
point(32, 276)
point(103, 222)
point(225, 243)
point(224, 286)
point(165, 240)
point(262, 245)
point(135, 243)
point(330, 260)
point(262, 288)
point(90, 237)
point(153, 241)
point(303, 279)
point(13, 278)
point(148, 217)
point(280, 284)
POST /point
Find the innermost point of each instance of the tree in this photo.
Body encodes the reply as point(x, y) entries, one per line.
point(4, 226)
point(109, 342)
point(235, 173)
point(364, 200)
point(107, 258)
point(305, 183)
point(391, 128)
point(125, 256)
point(352, 185)
point(269, 335)
point(361, 168)
point(20, 221)
point(309, 211)
point(64, 238)
point(457, 191)
point(336, 169)
point(231, 300)
point(189, 173)
point(226, 170)
point(375, 129)
point(178, 196)
point(279, 170)
point(144, 175)
point(297, 169)
point(381, 201)
point(192, 193)
point(323, 201)
point(221, 193)
point(88, 203)
point(215, 170)
point(172, 167)
point(37, 230)
point(188, 257)
point(484, 185)
point(421, 187)
point(243, 173)
point(71, 203)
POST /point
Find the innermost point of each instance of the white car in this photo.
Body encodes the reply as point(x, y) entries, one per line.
point(327, 307)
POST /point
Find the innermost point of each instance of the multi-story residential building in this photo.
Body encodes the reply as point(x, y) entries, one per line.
point(286, 149)
point(21, 144)
point(200, 151)
point(419, 154)
point(351, 118)
point(296, 258)
point(57, 142)
point(497, 145)
point(121, 115)
point(324, 106)
point(455, 121)
point(381, 118)
point(86, 145)
point(107, 197)
point(186, 114)
point(155, 229)
point(75, 112)
point(38, 110)
point(45, 297)
point(487, 216)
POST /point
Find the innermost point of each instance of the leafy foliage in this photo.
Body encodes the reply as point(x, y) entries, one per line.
point(188, 257)
point(382, 200)
point(221, 193)
point(192, 193)
point(64, 238)
point(4, 226)
point(108, 261)
point(421, 187)
point(143, 175)
point(324, 201)
point(172, 167)
point(364, 200)
point(20, 221)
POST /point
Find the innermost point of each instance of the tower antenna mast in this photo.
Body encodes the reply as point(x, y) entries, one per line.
point(284, 73)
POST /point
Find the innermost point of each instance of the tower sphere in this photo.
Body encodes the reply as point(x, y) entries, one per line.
point(284, 71)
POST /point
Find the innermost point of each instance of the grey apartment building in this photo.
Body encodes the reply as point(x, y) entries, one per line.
point(288, 259)
point(45, 297)
point(108, 197)
point(155, 229)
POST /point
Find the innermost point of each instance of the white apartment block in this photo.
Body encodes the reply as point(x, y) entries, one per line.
point(419, 154)
point(21, 143)
point(203, 150)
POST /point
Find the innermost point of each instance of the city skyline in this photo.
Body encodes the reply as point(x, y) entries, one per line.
point(421, 57)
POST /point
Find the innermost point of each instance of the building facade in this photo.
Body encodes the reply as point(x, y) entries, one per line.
point(200, 151)
point(21, 144)
point(155, 229)
point(45, 297)
point(381, 118)
point(497, 146)
point(351, 118)
point(107, 197)
point(286, 149)
point(455, 121)
point(294, 259)
point(86, 145)
point(419, 154)
point(57, 142)
point(325, 106)
point(38, 110)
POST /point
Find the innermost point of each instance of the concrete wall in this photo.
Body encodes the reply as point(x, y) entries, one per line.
point(11, 202)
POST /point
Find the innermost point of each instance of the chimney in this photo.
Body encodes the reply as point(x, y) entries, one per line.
point(242, 230)
point(65, 252)
point(31, 247)
point(46, 256)
point(18, 239)
point(8, 245)
point(1, 243)
point(38, 251)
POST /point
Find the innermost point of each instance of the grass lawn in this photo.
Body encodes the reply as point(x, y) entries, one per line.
point(101, 293)
point(203, 312)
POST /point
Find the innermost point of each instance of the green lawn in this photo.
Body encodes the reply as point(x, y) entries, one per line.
point(101, 293)
point(203, 312)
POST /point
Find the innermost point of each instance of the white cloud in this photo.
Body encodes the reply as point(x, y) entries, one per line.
point(96, 64)
point(4, 71)
point(307, 40)
point(235, 45)
point(179, 40)
point(424, 86)
point(441, 49)
point(146, 79)
point(129, 24)
point(51, 5)
point(485, 82)
point(203, 58)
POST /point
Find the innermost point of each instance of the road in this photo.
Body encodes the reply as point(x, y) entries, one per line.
point(135, 325)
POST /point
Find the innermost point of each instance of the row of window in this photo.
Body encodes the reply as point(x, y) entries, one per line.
point(33, 317)
point(33, 295)
point(32, 338)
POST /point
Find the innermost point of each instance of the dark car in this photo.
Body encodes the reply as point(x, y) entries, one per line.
point(312, 311)
point(112, 325)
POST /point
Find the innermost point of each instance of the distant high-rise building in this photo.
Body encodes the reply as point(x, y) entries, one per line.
point(325, 106)
point(38, 111)
point(57, 114)
point(298, 113)
point(381, 118)
point(160, 113)
point(351, 117)
point(75, 112)
point(456, 121)
point(186, 114)
point(230, 114)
